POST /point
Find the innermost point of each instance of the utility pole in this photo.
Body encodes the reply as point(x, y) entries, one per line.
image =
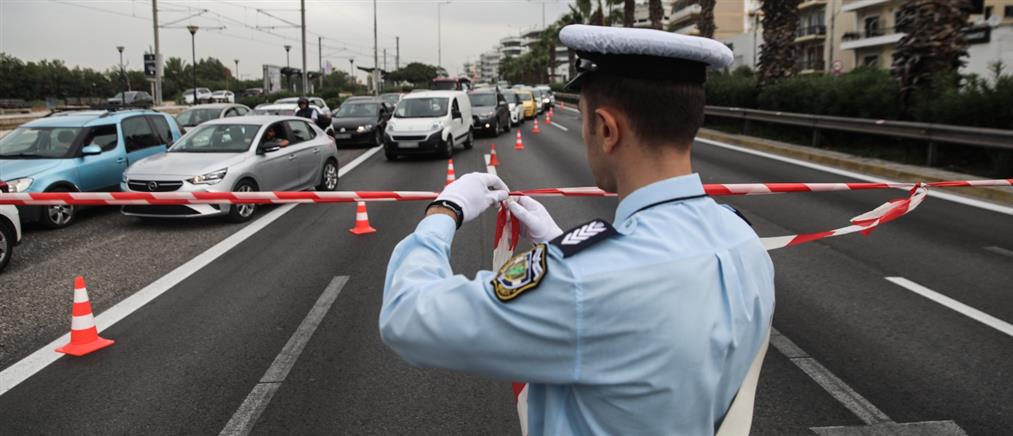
point(439, 36)
point(351, 70)
point(237, 70)
point(320, 59)
point(158, 55)
point(385, 59)
point(288, 66)
point(305, 74)
point(376, 57)
point(397, 52)
point(193, 48)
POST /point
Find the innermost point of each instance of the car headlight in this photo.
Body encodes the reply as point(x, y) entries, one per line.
point(365, 128)
point(209, 178)
point(19, 185)
point(436, 126)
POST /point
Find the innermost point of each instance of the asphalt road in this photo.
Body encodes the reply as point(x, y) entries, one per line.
point(185, 363)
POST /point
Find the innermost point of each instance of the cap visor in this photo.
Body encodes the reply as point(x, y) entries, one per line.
point(574, 84)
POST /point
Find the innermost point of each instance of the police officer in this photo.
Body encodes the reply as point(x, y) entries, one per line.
point(305, 111)
point(643, 326)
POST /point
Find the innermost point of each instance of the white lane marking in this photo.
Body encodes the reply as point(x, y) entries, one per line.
point(489, 168)
point(932, 193)
point(837, 388)
point(245, 418)
point(1000, 251)
point(560, 126)
point(23, 369)
point(963, 309)
point(571, 109)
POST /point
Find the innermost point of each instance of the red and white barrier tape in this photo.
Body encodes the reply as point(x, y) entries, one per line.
point(282, 197)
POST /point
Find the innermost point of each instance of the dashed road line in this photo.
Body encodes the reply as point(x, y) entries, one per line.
point(245, 418)
point(560, 126)
point(1000, 251)
point(33, 363)
point(963, 309)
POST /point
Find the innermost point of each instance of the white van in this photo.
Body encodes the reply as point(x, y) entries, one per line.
point(429, 122)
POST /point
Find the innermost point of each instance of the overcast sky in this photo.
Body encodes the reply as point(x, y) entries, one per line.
point(86, 32)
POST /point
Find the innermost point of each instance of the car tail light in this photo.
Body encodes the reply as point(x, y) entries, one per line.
point(4, 187)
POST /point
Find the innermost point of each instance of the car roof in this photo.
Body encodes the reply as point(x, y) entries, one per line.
point(87, 118)
point(429, 94)
point(484, 91)
point(364, 100)
point(210, 106)
point(280, 106)
point(253, 119)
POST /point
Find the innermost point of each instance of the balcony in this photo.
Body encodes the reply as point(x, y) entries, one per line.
point(809, 33)
point(862, 4)
point(810, 65)
point(685, 14)
point(870, 38)
point(806, 4)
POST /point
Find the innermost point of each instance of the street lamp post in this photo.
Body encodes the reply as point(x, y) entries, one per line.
point(288, 65)
point(193, 51)
point(237, 70)
point(123, 76)
point(351, 70)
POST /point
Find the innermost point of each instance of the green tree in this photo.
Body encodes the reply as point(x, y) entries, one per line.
point(705, 22)
point(418, 74)
point(778, 53)
point(933, 43)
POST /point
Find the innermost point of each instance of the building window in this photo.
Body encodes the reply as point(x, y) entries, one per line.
point(1008, 12)
point(871, 61)
point(872, 26)
point(988, 11)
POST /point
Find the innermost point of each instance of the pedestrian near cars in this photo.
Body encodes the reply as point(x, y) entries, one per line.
point(305, 110)
point(652, 324)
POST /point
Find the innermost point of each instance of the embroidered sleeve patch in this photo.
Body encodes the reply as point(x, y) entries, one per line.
point(585, 235)
point(521, 273)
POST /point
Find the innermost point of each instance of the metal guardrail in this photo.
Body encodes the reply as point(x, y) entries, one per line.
point(933, 134)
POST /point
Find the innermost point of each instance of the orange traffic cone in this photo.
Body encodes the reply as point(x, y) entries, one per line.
point(548, 118)
point(493, 162)
point(450, 172)
point(535, 129)
point(362, 226)
point(84, 336)
point(519, 145)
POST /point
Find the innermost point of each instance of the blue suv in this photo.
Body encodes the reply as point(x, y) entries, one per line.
point(83, 151)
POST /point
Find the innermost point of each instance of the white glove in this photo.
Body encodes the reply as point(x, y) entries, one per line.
point(538, 225)
point(475, 192)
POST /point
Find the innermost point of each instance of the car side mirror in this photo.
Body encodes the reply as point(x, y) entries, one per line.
point(456, 114)
point(264, 149)
point(91, 150)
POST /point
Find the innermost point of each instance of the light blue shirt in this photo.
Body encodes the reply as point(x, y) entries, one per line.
point(649, 332)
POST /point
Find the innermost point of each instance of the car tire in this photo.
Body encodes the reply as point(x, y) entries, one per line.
point(7, 238)
point(448, 149)
point(495, 129)
point(391, 156)
point(329, 176)
point(377, 138)
point(470, 142)
point(239, 213)
point(57, 216)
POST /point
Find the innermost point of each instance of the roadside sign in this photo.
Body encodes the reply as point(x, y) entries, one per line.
point(149, 65)
point(837, 68)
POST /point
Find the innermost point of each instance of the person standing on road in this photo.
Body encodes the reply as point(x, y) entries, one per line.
point(305, 111)
point(647, 327)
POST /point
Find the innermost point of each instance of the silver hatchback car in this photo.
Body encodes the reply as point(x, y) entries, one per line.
point(252, 153)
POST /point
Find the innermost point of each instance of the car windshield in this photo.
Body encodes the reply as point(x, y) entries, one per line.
point(272, 112)
point(194, 117)
point(129, 95)
point(525, 96)
point(391, 98)
point(38, 142)
point(422, 108)
point(289, 100)
point(483, 99)
point(510, 97)
point(357, 110)
point(218, 138)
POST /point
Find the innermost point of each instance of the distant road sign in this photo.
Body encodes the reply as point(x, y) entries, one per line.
point(149, 65)
point(837, 67)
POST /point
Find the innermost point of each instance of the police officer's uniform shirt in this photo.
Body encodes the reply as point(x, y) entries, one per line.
point(647, 331)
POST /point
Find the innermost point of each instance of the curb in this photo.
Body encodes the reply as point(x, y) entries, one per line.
point(876, 167)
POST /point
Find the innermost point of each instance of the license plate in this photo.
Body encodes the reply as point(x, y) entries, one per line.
point(342, 135)
point(407, 144)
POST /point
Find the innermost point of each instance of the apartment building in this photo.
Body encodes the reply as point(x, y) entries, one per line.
point(642, 16)
point(731, 17)
point(875, 38)
point(821, 25)
point(489, 66)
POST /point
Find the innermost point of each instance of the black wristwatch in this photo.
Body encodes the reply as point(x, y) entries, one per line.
point(449, 205)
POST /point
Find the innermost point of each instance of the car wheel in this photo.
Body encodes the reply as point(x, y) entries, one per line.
point(470, 142)
point(391, 156)
point(377, 138)
point(329, 176)
point(58, 216)
point(243, 212)
point(7, 237)
point(495, 129)
point(448, 150)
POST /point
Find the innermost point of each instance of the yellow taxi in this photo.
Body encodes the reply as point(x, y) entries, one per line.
point(528, 101)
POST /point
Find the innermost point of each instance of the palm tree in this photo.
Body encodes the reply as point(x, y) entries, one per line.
point(933, 42)
point(629, 10)
point(705, 22)
point(656, 12)
point(580, 13)
point(777, 56)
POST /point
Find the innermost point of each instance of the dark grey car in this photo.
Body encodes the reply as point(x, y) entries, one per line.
point(490, 111)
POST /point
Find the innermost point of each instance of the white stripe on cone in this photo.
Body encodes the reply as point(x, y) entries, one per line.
point(82, 322)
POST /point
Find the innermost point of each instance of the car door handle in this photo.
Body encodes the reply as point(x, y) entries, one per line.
point(291, 156)
point(121, 160)
point(316, 150)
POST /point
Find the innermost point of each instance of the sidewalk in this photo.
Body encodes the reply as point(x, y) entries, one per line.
point(875, 167)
